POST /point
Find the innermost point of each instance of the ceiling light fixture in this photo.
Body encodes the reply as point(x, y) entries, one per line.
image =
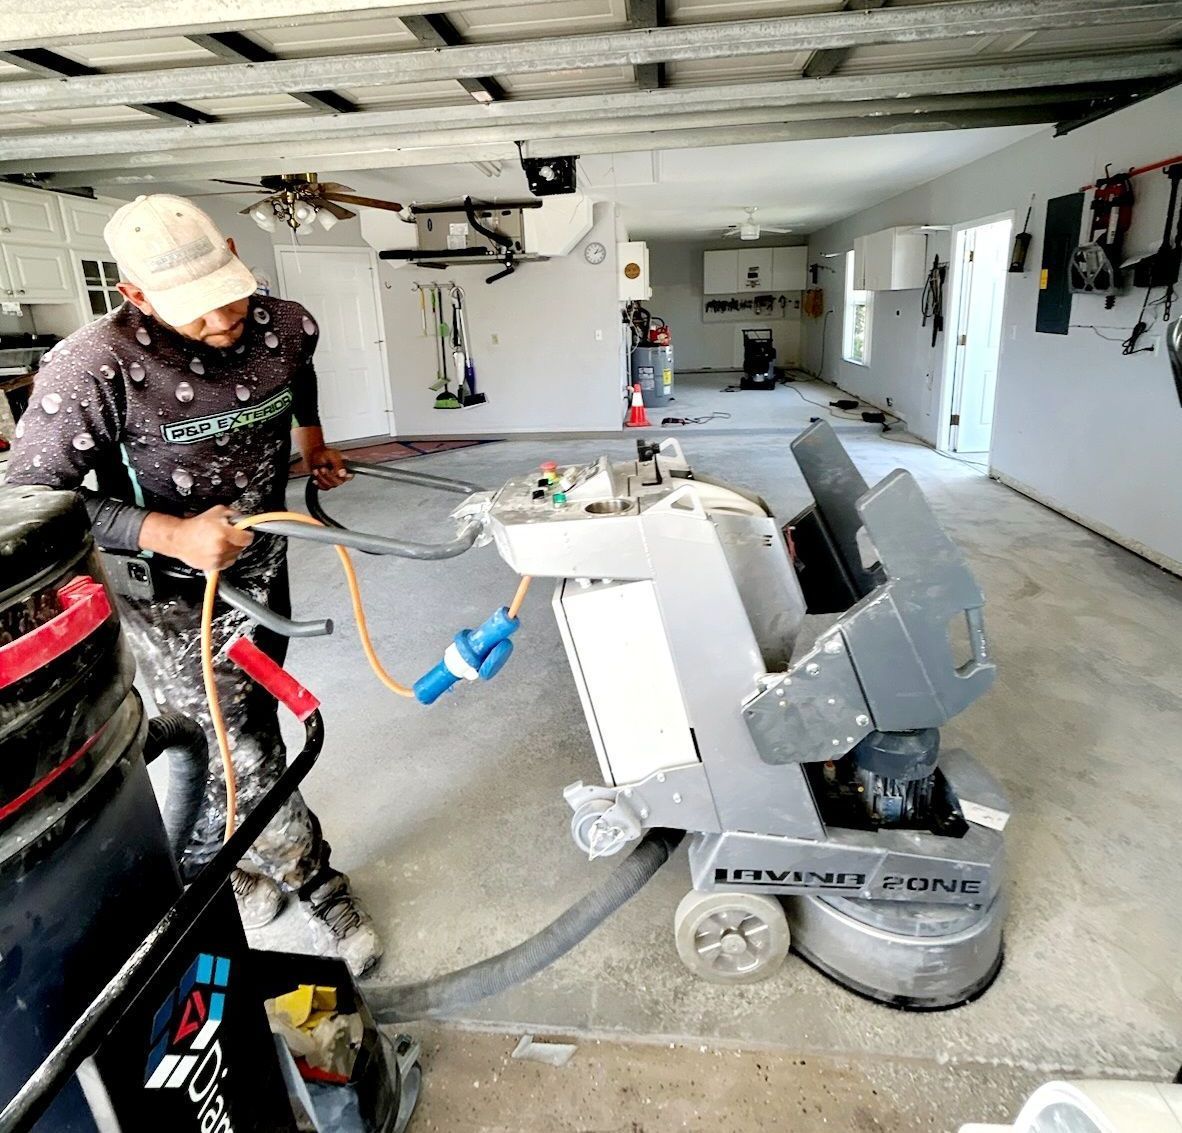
point(327, 220)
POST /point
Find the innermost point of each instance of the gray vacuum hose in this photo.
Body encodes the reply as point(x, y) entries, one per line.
point(517, 964)
point(188, 768)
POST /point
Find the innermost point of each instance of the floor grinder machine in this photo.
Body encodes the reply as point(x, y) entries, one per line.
point(779, 701)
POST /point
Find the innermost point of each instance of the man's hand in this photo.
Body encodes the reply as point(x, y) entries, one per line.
point(328, 469)
point(208, 541)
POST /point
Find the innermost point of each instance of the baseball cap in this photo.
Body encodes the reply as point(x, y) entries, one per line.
point(176, 255)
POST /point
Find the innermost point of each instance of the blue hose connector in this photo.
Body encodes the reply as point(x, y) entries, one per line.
point(475, 653)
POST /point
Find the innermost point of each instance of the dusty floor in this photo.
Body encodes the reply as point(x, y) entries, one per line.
point(452, 825)
point(472, 1085)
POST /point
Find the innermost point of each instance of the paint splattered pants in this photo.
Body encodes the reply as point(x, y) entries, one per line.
point(165, 636)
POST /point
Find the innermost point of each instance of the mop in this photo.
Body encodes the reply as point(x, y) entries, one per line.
point(465, 368)
point(444, 398)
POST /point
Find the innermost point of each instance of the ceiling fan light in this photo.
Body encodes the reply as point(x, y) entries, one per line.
point(304, 212)
point(264, 216)
point(327, 220)
point(749, 231)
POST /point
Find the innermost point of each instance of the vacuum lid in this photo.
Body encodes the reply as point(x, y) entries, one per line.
point(38, 527)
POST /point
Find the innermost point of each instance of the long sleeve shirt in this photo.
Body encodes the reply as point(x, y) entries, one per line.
point(168, 424)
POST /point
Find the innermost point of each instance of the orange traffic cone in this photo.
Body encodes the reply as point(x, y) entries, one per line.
point(637, 418)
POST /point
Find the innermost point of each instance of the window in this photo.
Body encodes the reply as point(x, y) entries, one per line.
point(99, 278)
point(859, 308)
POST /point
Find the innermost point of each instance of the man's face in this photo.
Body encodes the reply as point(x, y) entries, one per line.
point(219, 328)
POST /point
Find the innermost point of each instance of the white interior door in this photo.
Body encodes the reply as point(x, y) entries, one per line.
point(338, 286)
point(984, 253)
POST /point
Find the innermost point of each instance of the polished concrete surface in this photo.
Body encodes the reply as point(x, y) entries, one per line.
point(451, 822)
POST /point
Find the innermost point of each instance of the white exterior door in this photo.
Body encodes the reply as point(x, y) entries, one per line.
point(983, 268)
point(339, 288)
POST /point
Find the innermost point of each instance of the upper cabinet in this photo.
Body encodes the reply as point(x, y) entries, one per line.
point(733, 271)
point(42, 236)
point(790, 268)
point(894, 259)
point(85, 220)
point(34, 273)
point(30, 215)
point(720, 272)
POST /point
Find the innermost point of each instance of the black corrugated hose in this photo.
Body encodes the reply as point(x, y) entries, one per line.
point(188, 768)
point(517, 964)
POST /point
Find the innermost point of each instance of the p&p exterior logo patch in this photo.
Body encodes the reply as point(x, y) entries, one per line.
point(185, 1028)
point(202, 428)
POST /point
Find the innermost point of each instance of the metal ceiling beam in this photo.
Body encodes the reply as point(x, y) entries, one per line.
point(241, 48)
point(313, 151)
point(1113, 104)
point(826, 61)
point(647, 14)
point(43, 62)
point(696, 41)
point(439, 31)
point(394, 158)
point(51, 23)
point(76, 149)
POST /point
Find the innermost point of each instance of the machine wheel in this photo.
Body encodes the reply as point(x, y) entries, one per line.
point(582, 821)
point(731, 938)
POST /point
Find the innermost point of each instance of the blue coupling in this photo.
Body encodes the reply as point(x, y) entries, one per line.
point(475, 653)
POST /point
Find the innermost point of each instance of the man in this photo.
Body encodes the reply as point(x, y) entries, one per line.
point(181, 404)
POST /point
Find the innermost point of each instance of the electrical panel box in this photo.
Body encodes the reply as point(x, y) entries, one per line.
point(633, 272)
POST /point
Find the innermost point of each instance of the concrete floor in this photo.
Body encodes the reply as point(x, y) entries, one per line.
point(452, 825)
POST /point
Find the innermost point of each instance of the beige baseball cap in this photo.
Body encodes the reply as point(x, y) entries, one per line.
point(176, 255)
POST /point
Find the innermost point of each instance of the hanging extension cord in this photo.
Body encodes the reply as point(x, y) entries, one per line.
point(207, 673)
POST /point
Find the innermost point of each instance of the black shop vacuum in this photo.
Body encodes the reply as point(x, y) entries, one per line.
point(125, 1001)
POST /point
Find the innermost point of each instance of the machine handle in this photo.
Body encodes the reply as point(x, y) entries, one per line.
point(94, 1024)
point(269, 618)
point(273, 677)
point(383, 544)
point(85, 606)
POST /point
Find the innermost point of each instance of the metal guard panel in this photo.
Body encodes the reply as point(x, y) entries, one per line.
point(899, 635)
point(815, 711)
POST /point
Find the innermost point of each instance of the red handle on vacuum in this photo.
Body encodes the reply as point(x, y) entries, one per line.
point(85, 606)
point(274, 678)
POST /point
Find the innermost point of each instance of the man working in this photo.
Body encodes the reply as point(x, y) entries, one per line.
point(181, 403)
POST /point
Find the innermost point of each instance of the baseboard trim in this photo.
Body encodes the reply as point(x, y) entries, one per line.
point(1156, 557)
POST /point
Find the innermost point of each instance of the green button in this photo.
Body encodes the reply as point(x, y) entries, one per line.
point(559, 498)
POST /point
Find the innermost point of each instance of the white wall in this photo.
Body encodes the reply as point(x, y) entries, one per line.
point(547, 371)
point(676, 268)
point(1092, 433)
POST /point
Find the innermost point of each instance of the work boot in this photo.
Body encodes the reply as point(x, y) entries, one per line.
point(340, 926)
point(259, 898)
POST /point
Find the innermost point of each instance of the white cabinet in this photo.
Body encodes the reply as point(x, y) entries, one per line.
point(790, 269)
point(755, 269)
point(894, 259)
point(31, 215)
point(730, 272)
point(632, 257)
point(720, 272)
point(85, 220)
point(35, 274)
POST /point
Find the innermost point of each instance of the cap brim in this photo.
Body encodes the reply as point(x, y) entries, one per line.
point(231, 283)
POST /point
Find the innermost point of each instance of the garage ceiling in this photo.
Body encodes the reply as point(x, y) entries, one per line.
point(138, 95)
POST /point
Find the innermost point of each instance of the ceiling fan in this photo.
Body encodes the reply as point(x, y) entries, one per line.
point(295, 199)
point(751, 229)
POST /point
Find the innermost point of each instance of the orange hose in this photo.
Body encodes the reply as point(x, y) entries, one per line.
point(519, 597)
point(211, 692)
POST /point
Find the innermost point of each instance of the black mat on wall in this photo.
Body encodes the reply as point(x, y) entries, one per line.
point(1060, 238)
